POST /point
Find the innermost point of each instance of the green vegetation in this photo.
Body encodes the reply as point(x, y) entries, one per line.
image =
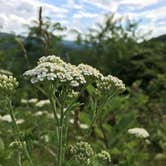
point(99, 119)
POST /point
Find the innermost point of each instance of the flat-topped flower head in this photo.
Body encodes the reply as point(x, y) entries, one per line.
point(111, 83)
point(89, 72)
point(54, 69)
point(103, 157)
point(82, 151)
point(139, 132)
point(42, 103)
point(8, 84)
point(51, 59)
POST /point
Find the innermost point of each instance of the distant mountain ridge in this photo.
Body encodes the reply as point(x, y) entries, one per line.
point(66, 43)
point(72, 44)
point(161, 38)
point(4, 34)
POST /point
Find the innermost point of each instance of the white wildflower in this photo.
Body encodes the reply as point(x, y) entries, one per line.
point(20, 121)
point(74, 83)
point(33, 100)
point(34, 80)
point(89, 72)
point(82, 151)
point(51, 76)
point(50, 58)
point(7, 84)
point(40, 113)
point(50, 115)
point(24, 101)
point(6, 118)
point(139, 132)
point(52, 68)
point(103, 156)
point(58, 116)
point(73, 94)
point(84, 126)
point(42, 103)
point(71, 121)
point(29, 101)
point(110, 82)
point(45, 138)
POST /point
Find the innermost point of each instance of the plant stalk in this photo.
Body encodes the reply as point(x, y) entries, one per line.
point(17, 132)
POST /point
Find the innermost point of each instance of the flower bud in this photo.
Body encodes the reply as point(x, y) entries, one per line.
point(8, 84)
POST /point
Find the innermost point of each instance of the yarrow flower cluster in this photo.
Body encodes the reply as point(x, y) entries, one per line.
point(63, 83)
point(110, 82)
point(104, 156)
point(52, 68)
point(82, 151)
point(42, 103)
point(7, 118)
point(51, 59)
point(139, 132)
point(29, 101)
point(84, 154)
point(8, 84)
point(89, 72)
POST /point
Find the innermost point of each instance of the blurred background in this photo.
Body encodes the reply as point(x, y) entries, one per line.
point(125, 38)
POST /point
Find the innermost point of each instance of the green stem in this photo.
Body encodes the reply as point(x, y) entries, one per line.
point(52, 100)
point(19, 159)
point(16, 129)
point(98, 110)
point(60, 152)
point(59, 129)
point(62, 126)
point(74, 100)
point(61, 141)
point(65, 134)
point(42, 90)
point(27, 154)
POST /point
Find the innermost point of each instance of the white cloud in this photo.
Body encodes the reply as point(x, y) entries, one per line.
point(82, 14)
point(14, 14)
point(142, 3)
point(153, 30)
point(153, 22)
point(151, 16)
point(107, 5)
point(155, 14)
point(71, 4)
point(51, 10)
point(112, 5)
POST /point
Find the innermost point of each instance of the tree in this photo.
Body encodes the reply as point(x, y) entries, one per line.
point(43, 38)
point(109, 46)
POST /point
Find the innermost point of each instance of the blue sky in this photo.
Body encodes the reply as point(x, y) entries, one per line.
point(83, 14)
